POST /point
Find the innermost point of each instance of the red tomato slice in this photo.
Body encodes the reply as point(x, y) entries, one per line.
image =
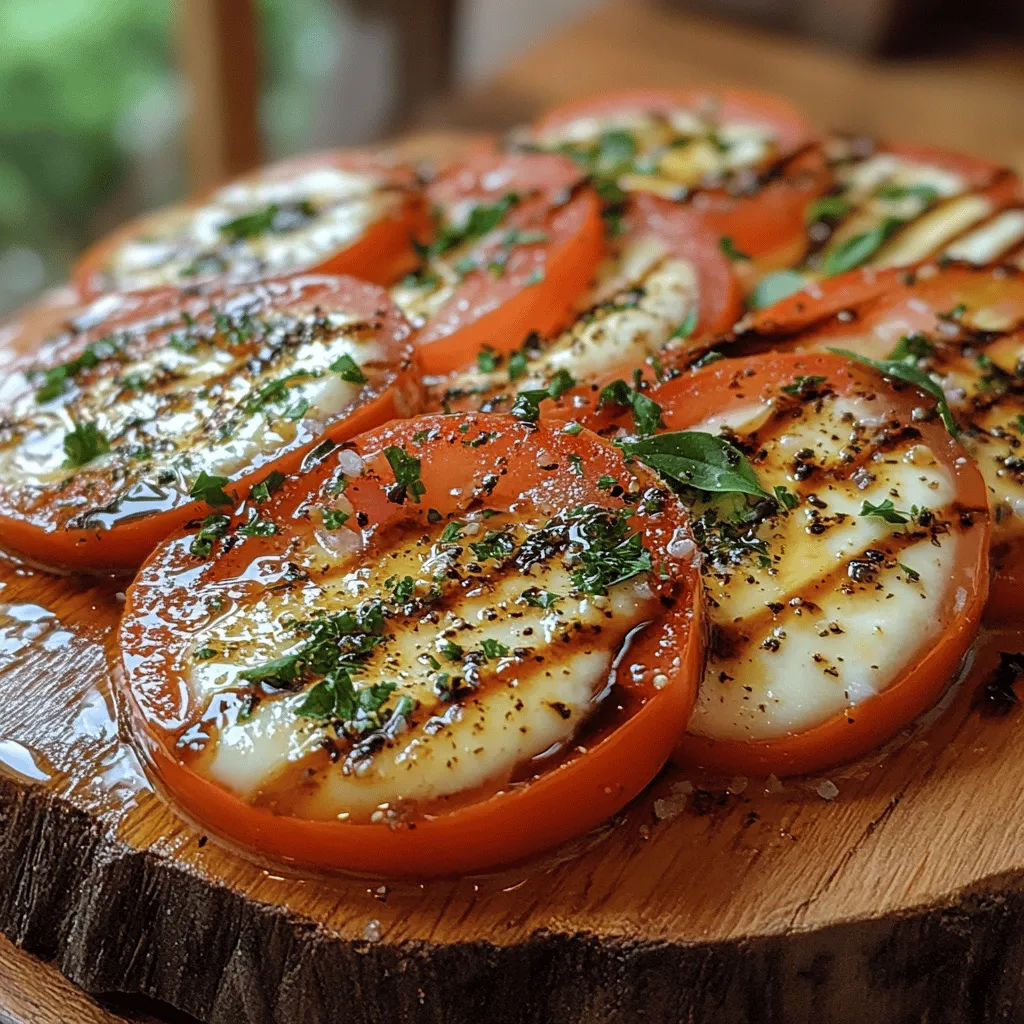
point(518, 241)
point(665, 288)
point(412, 780)
point(747, 162)
point(344, 212)
point(109, 432)
point(970, 329)
point(833, 626)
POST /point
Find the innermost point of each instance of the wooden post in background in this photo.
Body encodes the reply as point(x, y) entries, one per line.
point(219, 50)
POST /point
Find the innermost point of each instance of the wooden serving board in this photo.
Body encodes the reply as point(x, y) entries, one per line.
point(891, 890)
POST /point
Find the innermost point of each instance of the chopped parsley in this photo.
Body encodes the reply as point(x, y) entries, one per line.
point(262, 491)
point(209, 489)
point(646, 413)
point(481, 220)
point(912, 347)
point(605, 550)
point(83, 444)
point(829, 208)
point(401, 589)
point(407, 476)
point(516, 366)
point(254, 526)
point(496, 544)
point(333, 518)
point(211, 528)
point(725, 243)
point(347, 368)
point(450, 650)
point(452, 532)
point(803, 387)
point(493, 649)
point(913, 576)
point(886, 511)
point(54, 381)
point(786, 498)
point(486, 361)
point(537, 598)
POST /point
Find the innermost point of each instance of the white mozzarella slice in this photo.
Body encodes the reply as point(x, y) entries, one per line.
point(544, 677)
point(639, 300)
point(861, 179)
point(822, 622)
point(931, 231)
point(987, 243)
point(345, 205)
point(196, 407)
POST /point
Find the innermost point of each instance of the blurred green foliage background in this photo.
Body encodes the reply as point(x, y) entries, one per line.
point(91, 118)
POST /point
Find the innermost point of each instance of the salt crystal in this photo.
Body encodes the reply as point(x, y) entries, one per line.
point(772, 784)
point(737, 785)
point(827, 790)
point(372, 932)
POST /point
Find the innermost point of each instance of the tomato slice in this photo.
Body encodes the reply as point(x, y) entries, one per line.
point(665, 288)
point(845, 586)
point(345, 212)
point(747, 162)
point(467, 639)
point(897, 205)
point(518, 239)
point(115, 434)
point(966, 329)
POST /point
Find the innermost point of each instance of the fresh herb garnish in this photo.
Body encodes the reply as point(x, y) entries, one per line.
point(54, 381)
point(912, 374)
point(262, 491)
point(486, 361)
point(913, 576)
point(912, 347)
point(451, 650)
point(481, 220)
point(452, 532)
point(831, 208)
point(605, 550)
point(210, 529)
point(493, 649)
point(347, 368)
point(725, 243)
point(209, 489)
point(274, 217)
point(786, 498)
point(886, 511)
point(407, 476)
point(646, 412)
point(927, 194)
point(333, 518)
point(517, 364)
point(860, 248)
point(254, 526)
point(496, 544)
point(697, 459)
point(402, 589)
point(537, 598)
point(687, 327)
point(83, 444)
point(803, 387)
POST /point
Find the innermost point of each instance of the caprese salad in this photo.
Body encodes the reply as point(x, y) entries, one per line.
point(457, 506)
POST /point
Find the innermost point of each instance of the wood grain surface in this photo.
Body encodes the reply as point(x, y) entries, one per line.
point(899, 899)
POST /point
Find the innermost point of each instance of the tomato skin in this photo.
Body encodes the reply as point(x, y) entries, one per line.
point(568, 800)
point(768, 225)
point(37, 529)
point(692, 399)
point(541, 281)
point(381, 255)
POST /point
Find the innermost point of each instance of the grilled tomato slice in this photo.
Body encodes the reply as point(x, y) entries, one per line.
point(958, 329)
point(748, 163)
point(330, 213)
point(129, 424)
point(664, 289)
point(517, 239)
point(896, 205)
point(451, 643)
point(844, 547)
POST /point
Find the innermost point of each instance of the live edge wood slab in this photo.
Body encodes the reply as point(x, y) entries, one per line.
point(889, 891)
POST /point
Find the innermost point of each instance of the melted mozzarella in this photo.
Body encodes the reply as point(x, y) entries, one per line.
point(342, 205)
point(639, 300)
point(987, 243)
point(528, 698)
point(933, 230)
point(673, 152)
point(832, 616)
point(199, 404)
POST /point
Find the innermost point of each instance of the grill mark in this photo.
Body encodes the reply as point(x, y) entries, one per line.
point(759, 622)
